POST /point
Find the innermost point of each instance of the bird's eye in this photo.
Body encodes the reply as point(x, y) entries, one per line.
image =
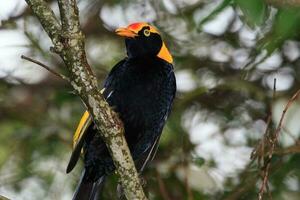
point(147, 32)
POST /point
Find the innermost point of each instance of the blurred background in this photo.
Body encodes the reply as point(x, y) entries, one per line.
point(226, 56)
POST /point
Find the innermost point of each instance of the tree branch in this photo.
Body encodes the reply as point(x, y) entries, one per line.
point(69, 44)
point(46, 67)
point(272, 142)
point(48, 20)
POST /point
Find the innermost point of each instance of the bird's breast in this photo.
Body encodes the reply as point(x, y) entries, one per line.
point(139, 95)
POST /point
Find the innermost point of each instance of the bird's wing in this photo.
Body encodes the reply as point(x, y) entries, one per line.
point(84, 123)
point(147, 156)
point(78, 139)
point(86, 120)
point(150, 152)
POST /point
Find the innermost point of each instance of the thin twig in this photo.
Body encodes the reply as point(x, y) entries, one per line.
point(279, 127)
point(289, 150)
point(266, 162)
point(259, 151)
point(46, 67)
point(3, 198)
point(162, 187)
point(273, 142)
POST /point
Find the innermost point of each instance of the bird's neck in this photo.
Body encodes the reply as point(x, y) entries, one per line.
point(163, 54)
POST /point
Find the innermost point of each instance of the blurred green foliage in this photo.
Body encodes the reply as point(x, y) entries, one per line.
point(286, 27)
point(254, 11)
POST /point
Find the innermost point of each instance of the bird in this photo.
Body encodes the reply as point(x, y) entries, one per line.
point(141, 89)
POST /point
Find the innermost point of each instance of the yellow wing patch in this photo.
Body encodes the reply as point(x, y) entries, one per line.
point(84, 123)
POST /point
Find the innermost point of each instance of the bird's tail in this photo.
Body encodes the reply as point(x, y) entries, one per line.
point(88, 190)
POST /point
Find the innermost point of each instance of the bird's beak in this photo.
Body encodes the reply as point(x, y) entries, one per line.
point(125, 32)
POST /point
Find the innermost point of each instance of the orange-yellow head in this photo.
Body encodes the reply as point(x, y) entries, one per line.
point(142, 39)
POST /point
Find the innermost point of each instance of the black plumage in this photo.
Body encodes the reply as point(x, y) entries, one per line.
point(141, 89)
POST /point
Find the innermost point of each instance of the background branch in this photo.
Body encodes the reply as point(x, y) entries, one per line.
point(69, 44)
point(48, 20)
point(46, 67)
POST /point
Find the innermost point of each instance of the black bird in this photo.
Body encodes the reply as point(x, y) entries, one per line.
point(141, 89)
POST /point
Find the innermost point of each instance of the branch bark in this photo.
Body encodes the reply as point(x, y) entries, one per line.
point(68, 41)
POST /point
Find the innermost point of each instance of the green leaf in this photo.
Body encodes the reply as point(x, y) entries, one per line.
point(286, 26)
point(287, 22)
point(254, 11)
point(199, 161)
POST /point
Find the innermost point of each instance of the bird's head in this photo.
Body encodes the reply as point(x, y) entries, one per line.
point(142, 39)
